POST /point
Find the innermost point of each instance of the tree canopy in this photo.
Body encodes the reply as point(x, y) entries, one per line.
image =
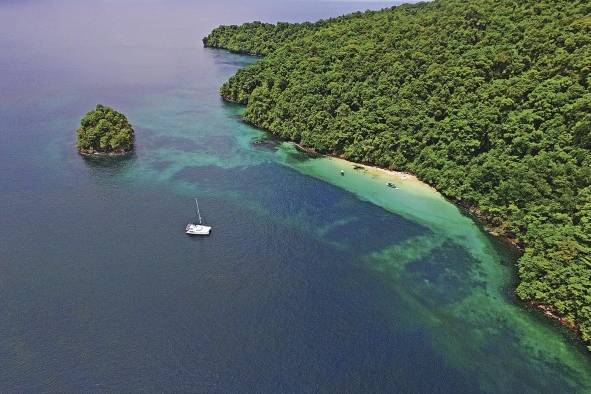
point(487, 100)
point(104, 130)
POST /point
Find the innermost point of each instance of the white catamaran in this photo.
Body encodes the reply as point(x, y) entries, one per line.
point(197, 229)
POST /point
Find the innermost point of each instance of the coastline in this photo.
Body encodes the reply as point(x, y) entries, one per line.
point(527, 194)
point(483, 220)
point(412, 181)
point(94, 153)
point(235, 51)
point(409, 179)
point(473, 212)
point(384, 173)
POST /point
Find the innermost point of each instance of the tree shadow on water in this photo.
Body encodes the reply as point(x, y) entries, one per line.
point(109, 163)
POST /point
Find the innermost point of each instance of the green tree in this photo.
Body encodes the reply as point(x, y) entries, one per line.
point(104, 130)
point(486, 100)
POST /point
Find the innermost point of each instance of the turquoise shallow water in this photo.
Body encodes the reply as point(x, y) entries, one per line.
point(311, 281)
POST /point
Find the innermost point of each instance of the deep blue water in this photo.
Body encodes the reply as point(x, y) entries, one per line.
point(100, 290)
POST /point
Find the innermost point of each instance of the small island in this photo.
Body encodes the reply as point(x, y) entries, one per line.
point(104, 131)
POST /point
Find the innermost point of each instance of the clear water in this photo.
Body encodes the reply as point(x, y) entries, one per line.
point(310, 282)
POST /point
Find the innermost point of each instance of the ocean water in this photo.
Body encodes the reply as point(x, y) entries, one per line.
point(310, 282)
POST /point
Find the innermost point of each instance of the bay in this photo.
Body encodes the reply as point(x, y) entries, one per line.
point(311, 281)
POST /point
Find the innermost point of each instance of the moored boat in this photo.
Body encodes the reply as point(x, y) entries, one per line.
point(197, 228)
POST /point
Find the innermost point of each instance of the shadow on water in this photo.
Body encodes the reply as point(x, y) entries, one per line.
point(221, 58)
point(268, 142)
point(110, 164)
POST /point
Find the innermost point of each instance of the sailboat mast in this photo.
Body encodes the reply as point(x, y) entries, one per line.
point(198, 212)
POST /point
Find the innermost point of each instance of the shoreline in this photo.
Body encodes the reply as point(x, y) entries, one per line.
point(409, 178)
point(473, 212)
point(235, 51)
point(399, 176)
point(470, 211)
point(94, 153)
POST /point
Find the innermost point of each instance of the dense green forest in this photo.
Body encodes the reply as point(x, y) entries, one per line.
point(487, 100)
point(104, 130)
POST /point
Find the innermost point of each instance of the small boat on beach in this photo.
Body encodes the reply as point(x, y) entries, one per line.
point(197, 229)
point(391, 185)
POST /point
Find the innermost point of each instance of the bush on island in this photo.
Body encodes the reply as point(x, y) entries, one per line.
point(104, 131)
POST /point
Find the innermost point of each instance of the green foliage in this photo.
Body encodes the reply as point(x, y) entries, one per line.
point(104, 130)
point(240, 38)
point(486, 100)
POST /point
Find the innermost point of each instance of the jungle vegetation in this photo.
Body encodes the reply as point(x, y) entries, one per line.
point(489, 101)
point(104, 130)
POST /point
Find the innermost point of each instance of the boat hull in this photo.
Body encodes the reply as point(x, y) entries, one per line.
point(196, 229)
